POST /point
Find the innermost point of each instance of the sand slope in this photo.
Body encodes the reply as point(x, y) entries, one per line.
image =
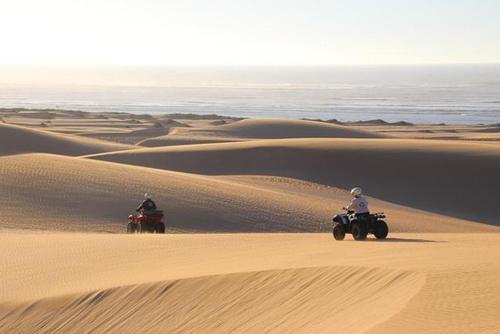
point(453, 178)
point(64, 193)
point(17, 139)
point(257, 129)
point(299, 283)
point(41, 191)
point(276, 129)
point(55, 282)
point(212, 303)
point(129, 137)
point(174, 139)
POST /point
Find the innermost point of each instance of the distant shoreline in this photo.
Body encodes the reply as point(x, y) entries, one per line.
point(49, 113)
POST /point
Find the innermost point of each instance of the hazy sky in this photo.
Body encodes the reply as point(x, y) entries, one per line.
point(259, 32)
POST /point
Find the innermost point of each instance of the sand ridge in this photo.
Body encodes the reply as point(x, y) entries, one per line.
point(128, 137)
point(256, 176)
point(251, 129)
point(279, 129)
point(312, 283)
point(75, 194)
point(422, 174)
point(214, 302)
point(16, 139)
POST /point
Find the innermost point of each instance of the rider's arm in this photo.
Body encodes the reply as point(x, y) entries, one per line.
point(351, 206)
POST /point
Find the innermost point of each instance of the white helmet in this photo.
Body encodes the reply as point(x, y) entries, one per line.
point(357, 191)
point(148, 195)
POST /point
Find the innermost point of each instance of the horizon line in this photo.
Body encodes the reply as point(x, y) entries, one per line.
point(242, 65)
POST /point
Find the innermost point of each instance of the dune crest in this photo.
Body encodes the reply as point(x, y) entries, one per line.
point(249, 129)
point(277, 301)
point(16, 139)
point(248, 282)
point(279, 129)
point(405, 172)
point(76, 194)
point(185, 139)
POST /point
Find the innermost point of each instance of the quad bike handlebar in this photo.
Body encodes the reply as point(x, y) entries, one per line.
point(346, 209)
point(376, 214)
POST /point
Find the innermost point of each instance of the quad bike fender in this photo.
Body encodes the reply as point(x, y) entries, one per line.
point(341, 219)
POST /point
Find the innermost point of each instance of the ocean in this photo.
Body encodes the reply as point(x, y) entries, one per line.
point(451, 94)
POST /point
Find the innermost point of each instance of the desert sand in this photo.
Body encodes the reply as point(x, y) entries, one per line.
point(424, 174)
point(69, 180)
point(294, 283)
point(249, 129)
point(17, 139)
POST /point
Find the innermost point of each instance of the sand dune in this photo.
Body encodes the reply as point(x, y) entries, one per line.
point(17, 139)
point(130, 137)
point(237, 282)
point(435, 131)
point(257, 129)
point(453, 178)
point(41, 191)
point(65, 193)
point(275, 129)
point(293, 283)
point(213, 303)
point(175, 139)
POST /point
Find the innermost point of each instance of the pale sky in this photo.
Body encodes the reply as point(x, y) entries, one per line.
point(246, 32)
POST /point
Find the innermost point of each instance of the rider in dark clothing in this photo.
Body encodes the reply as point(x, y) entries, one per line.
point(147, 205)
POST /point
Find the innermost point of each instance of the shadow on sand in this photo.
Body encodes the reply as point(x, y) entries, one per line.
point(388, 240)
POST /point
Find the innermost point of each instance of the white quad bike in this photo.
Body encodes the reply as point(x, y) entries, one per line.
point(359, 225)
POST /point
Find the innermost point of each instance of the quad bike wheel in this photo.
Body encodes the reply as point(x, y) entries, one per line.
point(160, 228)
point(338, 232)
point(381, 230)
point(147, 228)
point(133, 228)
point(359, 230)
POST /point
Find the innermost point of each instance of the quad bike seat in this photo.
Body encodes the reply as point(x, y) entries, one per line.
point(156, 213)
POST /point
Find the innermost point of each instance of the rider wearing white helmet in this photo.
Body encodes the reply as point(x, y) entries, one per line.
point(148, 203)
point(359, 205)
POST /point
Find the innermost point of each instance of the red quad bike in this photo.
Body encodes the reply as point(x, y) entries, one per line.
point(359, 225)
point(146, 222)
